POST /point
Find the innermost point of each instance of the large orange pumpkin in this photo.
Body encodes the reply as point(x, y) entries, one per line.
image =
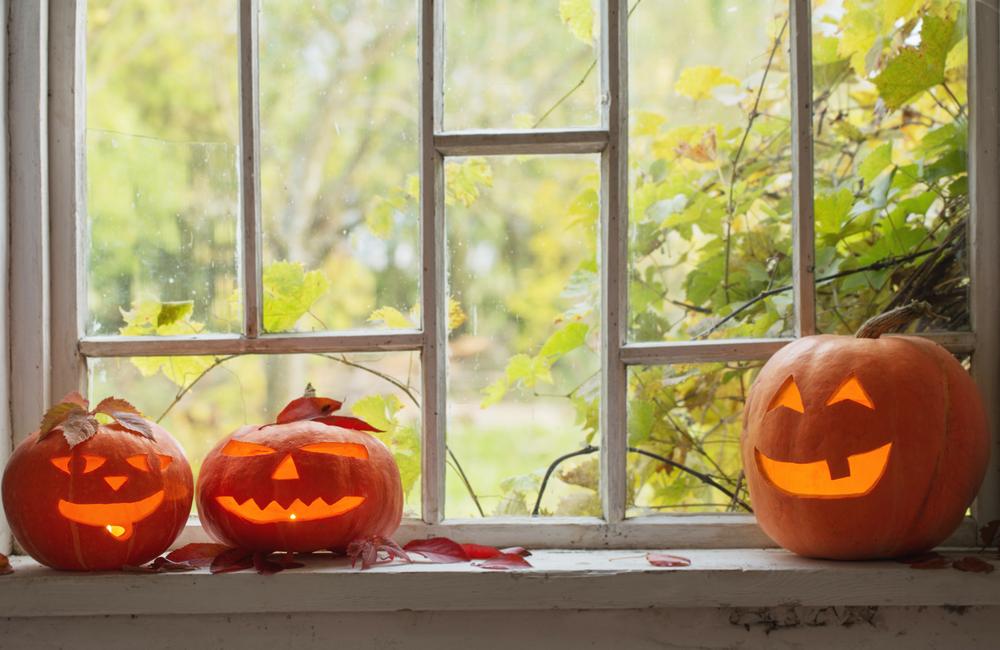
point(863, 447)
point(310, 481)
point(98, 496)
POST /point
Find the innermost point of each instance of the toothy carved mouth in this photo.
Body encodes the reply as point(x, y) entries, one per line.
point(815, 479)
point(116, 518)
point(274, 513)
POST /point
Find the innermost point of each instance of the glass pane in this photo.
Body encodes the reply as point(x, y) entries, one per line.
point(891, 156)
point(202, 399)
point(522, 64)
point(710, 170)
point(162, 185)
point(339, 164)
point(523, 382)
point(690, 415)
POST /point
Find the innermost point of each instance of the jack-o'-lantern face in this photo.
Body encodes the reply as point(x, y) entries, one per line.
point(86, 495)
point(834, 477)
point(118, 518)
point(862, 447)
point(309, 481)
point(320, 507)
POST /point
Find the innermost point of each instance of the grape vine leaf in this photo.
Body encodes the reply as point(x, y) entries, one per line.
point(391, 318)
point(464, 181)
point(915, 69)
point(578, 15)
point(381, 411)
point(697, 82)
point(289, 292)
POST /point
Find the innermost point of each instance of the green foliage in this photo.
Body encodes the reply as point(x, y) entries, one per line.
point(381, 411)
point(289, 293)
point(916, 69)
point(579, 17)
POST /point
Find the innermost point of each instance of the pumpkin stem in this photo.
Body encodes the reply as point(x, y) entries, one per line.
point(893, 320)
point(310, 391)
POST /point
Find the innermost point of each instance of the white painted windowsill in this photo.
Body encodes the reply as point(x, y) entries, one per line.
point(605, 579)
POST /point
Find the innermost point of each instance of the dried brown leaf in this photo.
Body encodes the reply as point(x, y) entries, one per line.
point(76, 398)
point(988, 533)
point(56, 416)
point(665, 559)
point(79, 427)
point(109, 405)
point(375, 550)
point(234, 559)
point(134, 423)
point(198, 554)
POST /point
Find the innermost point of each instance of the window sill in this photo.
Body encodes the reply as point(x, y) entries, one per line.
point(605, 579)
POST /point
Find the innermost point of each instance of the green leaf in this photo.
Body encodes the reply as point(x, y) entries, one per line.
point(875, 162)
point(915, 69)
point(154, 318)
point(173, 312)
point(290, 292)
point(647, 123)
point(578, 15)
point(381, 411)
point(832, 209)
point(465, 181)
point(494, 392)
point(698, 81)
point(379, 217)
point(565, 340)
point(391, 317)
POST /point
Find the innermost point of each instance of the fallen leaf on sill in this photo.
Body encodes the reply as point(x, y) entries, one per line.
point(5, 567)
point(665, 559)
point(160, 565)
point(197, 554)
point(268, 564)
point(481, 552)
point(504, 562)
point(973, 565)
point(438, 550)
point(375, 550)
point(234, 559)
point(516, 550)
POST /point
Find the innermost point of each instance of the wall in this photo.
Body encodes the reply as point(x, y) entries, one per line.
point(791, 627)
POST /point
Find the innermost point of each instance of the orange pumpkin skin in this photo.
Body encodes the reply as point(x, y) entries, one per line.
point(923, 404)
point(147, 501)
point(361, 479)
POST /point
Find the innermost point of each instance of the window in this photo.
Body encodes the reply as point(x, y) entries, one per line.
point(544, 245)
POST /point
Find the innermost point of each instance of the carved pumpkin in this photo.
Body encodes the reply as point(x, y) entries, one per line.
point(309, 481)
point(863, 447)
point(99, 496)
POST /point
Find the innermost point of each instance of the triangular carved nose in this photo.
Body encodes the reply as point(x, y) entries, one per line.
point(115, 481)
point(286, 469)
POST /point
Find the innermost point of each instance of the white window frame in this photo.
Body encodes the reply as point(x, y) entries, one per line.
point(47, 195)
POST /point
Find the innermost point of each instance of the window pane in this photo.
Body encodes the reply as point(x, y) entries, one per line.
point(523, 384)
point(521, 64)
point(710, 170)
point(690, 415)
point(162, 186)
point(891, 157)
point(382, 389)
point(339, 164)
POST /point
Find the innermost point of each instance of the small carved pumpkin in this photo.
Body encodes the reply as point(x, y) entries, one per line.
point(863, 447)
point(309, 481)
point(99, 496)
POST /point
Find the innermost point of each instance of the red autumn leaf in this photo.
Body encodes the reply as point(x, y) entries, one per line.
point(973, 564)
point(929, 560)
point(75, 397)
point(110, 405)
point(197, 554)
point(438, 550)
point(988, 533)
point(234, 559)
point(480, 552)
point(5, 566)
point(347, 422)
point(308, 408)
point(374, 550)
point(665, 559)
point(516, 550)
point(504, 562)
point(264, 565)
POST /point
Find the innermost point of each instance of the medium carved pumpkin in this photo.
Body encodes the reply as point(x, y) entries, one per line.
point(310, 481)
point(99, 496)
point(863, 447)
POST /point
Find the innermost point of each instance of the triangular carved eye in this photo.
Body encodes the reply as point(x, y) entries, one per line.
point(851, 390)
point(788, 396)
